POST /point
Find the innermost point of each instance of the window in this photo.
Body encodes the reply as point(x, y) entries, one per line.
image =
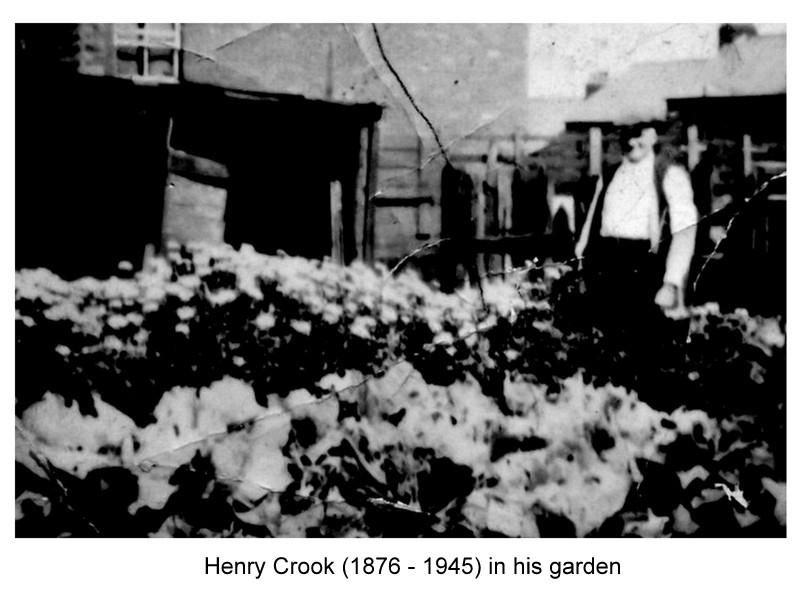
point(147, 52)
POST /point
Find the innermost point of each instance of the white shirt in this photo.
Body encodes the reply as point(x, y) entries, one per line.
point(630, 211)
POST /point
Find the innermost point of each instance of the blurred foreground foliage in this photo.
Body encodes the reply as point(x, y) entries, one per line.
point(222, 392)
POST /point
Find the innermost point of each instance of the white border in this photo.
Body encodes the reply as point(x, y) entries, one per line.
point(140, 568)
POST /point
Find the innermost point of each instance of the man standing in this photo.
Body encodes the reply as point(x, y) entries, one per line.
point(638, 239)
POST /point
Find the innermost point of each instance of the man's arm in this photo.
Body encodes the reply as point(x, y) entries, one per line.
point(683, 223)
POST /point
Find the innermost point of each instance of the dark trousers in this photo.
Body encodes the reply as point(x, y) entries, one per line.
point(622, 278)
point(621, 335)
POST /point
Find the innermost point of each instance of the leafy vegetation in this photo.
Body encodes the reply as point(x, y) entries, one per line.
point(229, 393)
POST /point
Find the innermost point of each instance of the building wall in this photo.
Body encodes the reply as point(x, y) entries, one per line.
point(465, 79)
point(468, 80)
point(461, 76)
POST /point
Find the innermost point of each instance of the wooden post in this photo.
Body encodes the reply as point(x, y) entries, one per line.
point(518, 148)
point(551, 193)
point(747, 171)
point(595, 151)
point(479, 214)
point(492, 214)
point(694, 147)
point(505, 176)
point(337, 238)
point(373, 137)
point(361, 192)
point(491, 210)
point(480, 227)
point(747, 152)
point(504, 180)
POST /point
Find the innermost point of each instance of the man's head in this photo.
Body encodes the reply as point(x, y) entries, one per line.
point(638, 142)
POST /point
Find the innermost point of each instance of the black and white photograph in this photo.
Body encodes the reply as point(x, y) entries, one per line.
point(400, 280)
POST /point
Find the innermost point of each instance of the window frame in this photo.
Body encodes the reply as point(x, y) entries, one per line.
point(147, 37)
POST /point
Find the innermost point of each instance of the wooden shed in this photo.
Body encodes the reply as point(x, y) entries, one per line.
point(279, 172)
point(107, 168)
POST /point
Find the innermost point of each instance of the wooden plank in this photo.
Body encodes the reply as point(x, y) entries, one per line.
point(395, 201)
point(747, 154)
point(193, 210)
point(694, 147)
point(398, 183)
point(198, 168)
point(769, 166)
point(595, 151)
point(394, 159)
point(766, 147)
point(337, 229)
point(505, 202)
point(360, 212)
point(479, 215)
point(373, 138)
